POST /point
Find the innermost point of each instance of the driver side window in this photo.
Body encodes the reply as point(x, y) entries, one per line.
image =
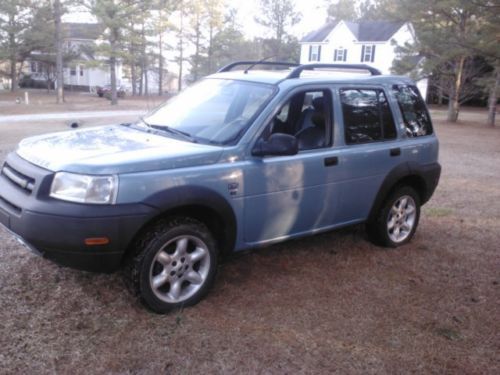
point(307, 116)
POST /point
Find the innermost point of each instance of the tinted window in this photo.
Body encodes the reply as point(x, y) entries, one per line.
point(367, 116)
point(415, 115)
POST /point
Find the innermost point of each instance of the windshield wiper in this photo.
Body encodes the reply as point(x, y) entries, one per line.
point(168, 129)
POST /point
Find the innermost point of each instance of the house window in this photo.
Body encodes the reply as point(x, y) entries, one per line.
point(340, 54)
point(36, 67)
point(72, 70)
point(367, 53)
point(314, 53)
point(81, 71)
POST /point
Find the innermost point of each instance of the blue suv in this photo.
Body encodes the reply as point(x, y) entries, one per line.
point(244, 158)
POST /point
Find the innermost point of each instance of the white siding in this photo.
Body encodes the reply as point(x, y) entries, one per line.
point(304, 53)
point(341, 37)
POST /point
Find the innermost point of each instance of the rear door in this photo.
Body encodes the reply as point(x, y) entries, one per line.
point(370, 149)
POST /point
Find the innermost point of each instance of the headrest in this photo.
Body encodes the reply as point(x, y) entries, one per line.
point(319, 103)
point(318, 119)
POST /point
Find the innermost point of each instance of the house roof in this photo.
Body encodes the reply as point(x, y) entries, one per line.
point(364, 31)
point(375, 31)
point(87, 31)
point(320, 34)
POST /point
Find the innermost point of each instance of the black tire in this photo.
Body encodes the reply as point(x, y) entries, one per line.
point(379, 229)
point(100, 95)
point(157, 255)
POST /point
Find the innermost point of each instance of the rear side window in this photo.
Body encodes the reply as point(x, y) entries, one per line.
point(416, 118)
point(367, 116)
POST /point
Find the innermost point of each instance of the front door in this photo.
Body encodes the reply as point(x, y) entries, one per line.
point(291, 195)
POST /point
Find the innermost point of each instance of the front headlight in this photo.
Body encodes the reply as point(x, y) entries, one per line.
point(84, 188)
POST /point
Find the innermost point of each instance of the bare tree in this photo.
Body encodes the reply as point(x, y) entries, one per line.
point(471, 69)
point(278, 16)
point(59, 51)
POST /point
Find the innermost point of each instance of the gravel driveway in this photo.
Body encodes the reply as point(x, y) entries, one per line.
point(332, 303)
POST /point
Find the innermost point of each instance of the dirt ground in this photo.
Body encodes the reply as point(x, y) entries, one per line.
point(332, 303)
point(42, 102)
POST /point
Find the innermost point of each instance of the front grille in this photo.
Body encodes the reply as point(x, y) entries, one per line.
point(24, 182)
point(10, 205)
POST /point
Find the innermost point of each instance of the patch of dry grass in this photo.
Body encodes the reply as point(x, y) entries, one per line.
point(332, 303)
point(42, 102)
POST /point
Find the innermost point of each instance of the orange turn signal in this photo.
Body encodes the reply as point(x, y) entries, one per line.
point(96, 241)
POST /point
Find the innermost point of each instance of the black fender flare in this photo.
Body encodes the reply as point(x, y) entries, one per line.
point(427, 176)
point(185, 196)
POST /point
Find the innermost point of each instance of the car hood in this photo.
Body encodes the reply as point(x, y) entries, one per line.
point(113, 150)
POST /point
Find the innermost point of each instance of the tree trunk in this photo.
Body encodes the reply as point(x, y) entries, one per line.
point(454, 105)
point(146, 81)
point(13, 74)
point(47, 74)
point(210, 49)
point(452, 115)
point(59, 52)
point(160, 64)
point(181, 59)
point(493, 98)
point(134, 78)
point(440, 93)
point(112, 67)
point(12, 56)
point(144, 85)
point(196, 62)
point(141, 79)
point(181, 49)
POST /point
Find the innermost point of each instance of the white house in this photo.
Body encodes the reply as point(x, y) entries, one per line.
point(81, 37)
point(365, 42)
point(86, 71)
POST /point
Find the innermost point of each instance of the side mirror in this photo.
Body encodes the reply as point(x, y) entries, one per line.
point(277, 144)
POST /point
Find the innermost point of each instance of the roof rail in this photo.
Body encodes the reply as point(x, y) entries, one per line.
point(229, 67)
point(299, 69)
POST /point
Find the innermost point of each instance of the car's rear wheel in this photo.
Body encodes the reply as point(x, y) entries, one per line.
point(398, 218)
point(174, 265)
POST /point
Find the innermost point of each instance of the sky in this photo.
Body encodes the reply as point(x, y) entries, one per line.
point(313, 16)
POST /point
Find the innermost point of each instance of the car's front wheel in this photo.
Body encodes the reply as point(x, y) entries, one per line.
point(398, 218)
point(174, 265)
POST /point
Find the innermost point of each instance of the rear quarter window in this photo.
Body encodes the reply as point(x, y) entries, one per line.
point(415, 115)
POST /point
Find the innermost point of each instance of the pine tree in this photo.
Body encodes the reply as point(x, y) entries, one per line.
point(114, 16)
point(445, 31)
point(15, 18)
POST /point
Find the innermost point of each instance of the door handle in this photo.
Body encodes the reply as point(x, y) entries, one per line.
point(395, 151)
point(331, 161)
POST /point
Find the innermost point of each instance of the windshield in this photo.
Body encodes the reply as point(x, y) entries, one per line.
point(212, 111)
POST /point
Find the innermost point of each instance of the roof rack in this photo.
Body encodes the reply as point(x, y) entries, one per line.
point(250, 64)
point(295, 73)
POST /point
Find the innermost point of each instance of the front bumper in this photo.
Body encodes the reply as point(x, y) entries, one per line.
point(58, 229)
